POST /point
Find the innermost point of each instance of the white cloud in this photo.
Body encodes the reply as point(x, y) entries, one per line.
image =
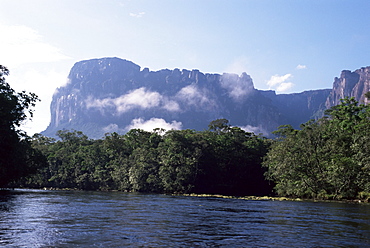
point(112, 128)
point(39, 82)
point(43, 84)
point(122, 4)
point(301, 67)
point(141, 98)
point(171, 105)
point(153, 123)
point(138, 98)
point(284, 87)
point(100, 104)
point(29, 57)
point(255, 130)
point(194, 96)
point(276, 79)
point(238, 87)
point(238, 66)
point(22, 44)
point(137, 15)
point(279, 83)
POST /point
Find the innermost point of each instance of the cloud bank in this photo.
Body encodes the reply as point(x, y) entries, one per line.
point(238, 87)
point(153, 123)
point(21, 44)
point(238, 66)
point(43, 84)
point(195, 96)
point(112, 128)
point(280, 83)
point(141, 98)
point(255, 130)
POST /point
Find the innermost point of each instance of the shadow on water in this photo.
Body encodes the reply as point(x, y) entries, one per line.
point(6, 197)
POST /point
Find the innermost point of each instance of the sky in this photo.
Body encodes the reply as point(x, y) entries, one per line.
point(284, 45)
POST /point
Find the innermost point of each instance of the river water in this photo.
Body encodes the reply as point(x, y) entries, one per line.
point(40, 218)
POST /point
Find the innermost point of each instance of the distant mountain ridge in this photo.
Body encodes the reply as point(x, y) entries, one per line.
point(115, 95)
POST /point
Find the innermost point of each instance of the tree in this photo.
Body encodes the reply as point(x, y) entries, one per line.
point(295, 161)
point(219, 125)
point(179, 159)
point(327, 158)
point(118, 151)
point(231, 161)
point(367, 95)
point(72, 161)
point(17, 157)
point(144, 165)
point(14, 107)
point(349, 125)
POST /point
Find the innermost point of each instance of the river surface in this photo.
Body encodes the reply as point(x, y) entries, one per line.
point(40, 218)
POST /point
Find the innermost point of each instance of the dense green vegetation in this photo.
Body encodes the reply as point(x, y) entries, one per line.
point(223, 160)
point(328, 158)
point(17, 157)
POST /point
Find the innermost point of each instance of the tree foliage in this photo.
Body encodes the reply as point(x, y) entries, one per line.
point(17, 157)
point(327, 158)
point(223, 160)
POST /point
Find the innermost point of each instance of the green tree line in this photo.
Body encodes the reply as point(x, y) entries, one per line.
point(222, 160)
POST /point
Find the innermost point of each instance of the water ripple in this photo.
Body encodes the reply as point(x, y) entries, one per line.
point(32, 218)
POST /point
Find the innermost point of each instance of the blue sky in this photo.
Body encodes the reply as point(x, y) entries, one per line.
point(288, 46)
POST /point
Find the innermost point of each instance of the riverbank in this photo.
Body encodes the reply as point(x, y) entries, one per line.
point(254, 198)
point(276, 198)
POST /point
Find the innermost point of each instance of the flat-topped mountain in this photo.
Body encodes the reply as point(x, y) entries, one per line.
point(115, 95)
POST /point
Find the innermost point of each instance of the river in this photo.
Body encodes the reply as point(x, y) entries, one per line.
point(41, 218)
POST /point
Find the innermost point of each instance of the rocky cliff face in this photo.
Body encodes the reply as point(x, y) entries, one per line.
point(298, 108)
point(353, 84)
point(115, 95)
